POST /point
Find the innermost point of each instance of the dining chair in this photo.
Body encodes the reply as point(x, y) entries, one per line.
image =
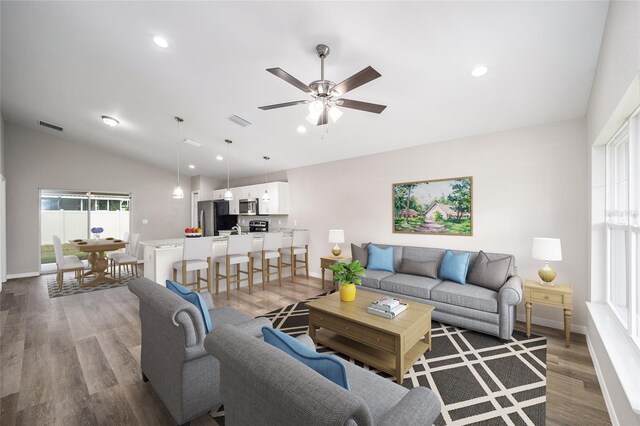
point(66, 264)
point(196, 256)
point(299, 245)
point(129, 258)
point(271, 245)
point(238, 252)
point(109, 255)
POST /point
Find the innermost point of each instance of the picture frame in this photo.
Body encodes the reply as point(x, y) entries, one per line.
point(436, 207)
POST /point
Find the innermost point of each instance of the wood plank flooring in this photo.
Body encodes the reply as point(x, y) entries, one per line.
point(75, 360)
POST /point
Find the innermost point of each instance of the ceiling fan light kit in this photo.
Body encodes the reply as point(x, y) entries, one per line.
point(326, 94)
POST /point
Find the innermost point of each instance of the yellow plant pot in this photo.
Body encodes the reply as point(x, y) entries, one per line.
point(348, 292)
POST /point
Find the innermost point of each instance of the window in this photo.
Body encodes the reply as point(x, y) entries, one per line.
point(623, 224)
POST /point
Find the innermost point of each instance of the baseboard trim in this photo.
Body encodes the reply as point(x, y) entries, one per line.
point(22, 275)
point(603, 385)
point(575, 328)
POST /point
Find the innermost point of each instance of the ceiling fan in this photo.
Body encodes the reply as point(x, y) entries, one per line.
point(326, 94)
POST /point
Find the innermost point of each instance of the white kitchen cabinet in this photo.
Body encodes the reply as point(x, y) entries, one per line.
point(234, 205)
point(279, 202)
point(251, 191)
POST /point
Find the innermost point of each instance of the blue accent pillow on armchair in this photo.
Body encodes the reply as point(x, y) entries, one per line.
point(380, 259)
point(328, 366)
point(454, 267)
point(192, 297)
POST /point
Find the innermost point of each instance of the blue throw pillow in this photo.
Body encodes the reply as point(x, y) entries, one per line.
point(328, 366)
point(380, 259)
point(192, 297)
point(454, 267)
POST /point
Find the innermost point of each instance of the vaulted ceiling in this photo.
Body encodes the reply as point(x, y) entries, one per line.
point(69, 63)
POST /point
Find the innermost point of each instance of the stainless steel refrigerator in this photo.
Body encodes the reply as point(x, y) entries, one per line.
point(214, 216)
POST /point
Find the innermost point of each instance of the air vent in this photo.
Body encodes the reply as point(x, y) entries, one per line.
point(192, 143)
point(51, 126)
point(239, 121)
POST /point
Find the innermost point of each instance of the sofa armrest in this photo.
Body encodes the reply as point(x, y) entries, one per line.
point(208, 299)
point(254, 326)
point(511, 292)
point(307, 341)
point(420, 406)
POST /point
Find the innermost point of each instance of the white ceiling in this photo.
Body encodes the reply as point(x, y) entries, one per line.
point(68, 63)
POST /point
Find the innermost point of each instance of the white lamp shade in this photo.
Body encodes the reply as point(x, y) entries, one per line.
point(548, 249)
point(336, 236)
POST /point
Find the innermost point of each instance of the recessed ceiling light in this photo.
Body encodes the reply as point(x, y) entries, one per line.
point(301, 129)
point(109, 121)
point(160, 42)
point(219, 157)
point(479, 71)
point(191, 166)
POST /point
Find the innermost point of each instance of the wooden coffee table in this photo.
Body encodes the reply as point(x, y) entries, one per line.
point(390, 345)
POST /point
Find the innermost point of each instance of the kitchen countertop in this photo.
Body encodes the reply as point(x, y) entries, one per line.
point(177, 242)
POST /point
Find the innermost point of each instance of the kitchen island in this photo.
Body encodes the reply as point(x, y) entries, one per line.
point(160, 255)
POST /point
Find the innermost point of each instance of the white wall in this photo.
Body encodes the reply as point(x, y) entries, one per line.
point(527, 183)
point(37, 160)
point(616, 74)
point(3, 210)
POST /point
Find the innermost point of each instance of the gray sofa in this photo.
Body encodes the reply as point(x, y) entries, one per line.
point(261, 385)
point(173, 358)
point(468, 306)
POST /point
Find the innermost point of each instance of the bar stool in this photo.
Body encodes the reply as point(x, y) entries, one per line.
point(196, 256)
point(299, 245)
point(238, 252)
point(271, 245)
point(129, 258)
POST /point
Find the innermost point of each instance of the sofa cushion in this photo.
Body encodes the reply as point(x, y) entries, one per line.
point(194, 298)
point(454, 266)
point(424, 269)
point(360, 253)
point(328, 366)
point(490, 274)
point(409, 285)
point(372, 278)
point(468, 296)
point(380, 259)
point(380, 394)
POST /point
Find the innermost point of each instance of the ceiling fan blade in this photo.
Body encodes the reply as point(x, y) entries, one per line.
point(278, 72)
point(324, 117)
point(282, 105)
point(362, 106)
point(358, 79)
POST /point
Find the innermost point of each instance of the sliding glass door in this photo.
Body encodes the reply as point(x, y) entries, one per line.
point(71, 214)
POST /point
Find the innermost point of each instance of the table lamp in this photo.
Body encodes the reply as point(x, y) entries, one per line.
point(547, 249)
point(336, 236)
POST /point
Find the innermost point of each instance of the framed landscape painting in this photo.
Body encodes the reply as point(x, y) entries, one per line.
point(441, 206)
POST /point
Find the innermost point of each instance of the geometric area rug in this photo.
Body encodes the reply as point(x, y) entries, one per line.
point(70, 285)
point(479, 379)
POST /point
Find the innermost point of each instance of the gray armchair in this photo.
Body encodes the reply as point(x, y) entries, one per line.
point(263, 385)
point(173, 358)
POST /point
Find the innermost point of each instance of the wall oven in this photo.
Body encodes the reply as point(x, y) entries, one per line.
point(249, 207)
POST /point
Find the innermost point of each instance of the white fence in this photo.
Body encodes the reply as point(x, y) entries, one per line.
point(70, 225)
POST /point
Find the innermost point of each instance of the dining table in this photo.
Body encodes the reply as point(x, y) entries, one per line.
point(97, 260)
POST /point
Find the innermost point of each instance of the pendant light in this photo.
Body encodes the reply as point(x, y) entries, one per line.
point(228, 195)
point(178, 193)
point(266, 197)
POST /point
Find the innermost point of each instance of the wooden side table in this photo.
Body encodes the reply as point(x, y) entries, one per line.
point(559, 296)
point(326, 261)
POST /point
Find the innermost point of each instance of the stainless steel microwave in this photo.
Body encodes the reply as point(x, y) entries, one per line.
point(249, 207)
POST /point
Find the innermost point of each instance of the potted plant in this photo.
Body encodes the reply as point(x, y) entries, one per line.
point(348, 275)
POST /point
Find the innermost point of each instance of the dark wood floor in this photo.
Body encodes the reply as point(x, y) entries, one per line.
point(75, 359)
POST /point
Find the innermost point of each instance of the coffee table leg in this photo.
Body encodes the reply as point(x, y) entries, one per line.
point(312, 331)
point(427, 339)
point(399, 362)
